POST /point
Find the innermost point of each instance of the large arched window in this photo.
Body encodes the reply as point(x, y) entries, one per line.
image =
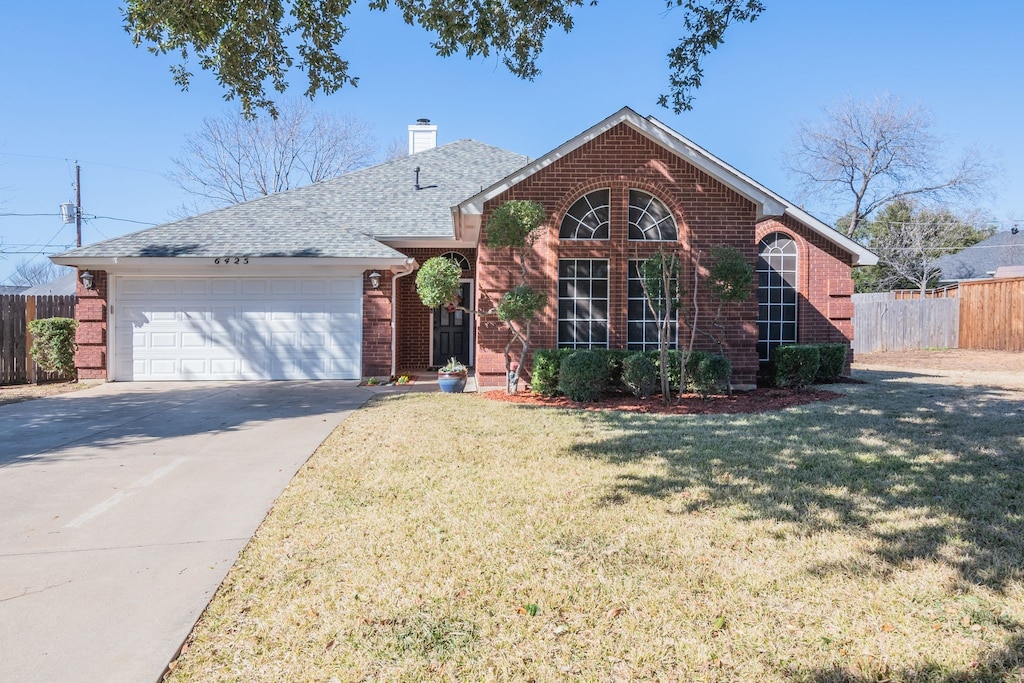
point(650, 219)
point(587, 218)
point(776, 293)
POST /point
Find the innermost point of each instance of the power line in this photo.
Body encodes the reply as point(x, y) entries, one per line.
point(93, 163)
point(85, 217)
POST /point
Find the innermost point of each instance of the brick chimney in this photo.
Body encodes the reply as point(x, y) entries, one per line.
point(422, 136)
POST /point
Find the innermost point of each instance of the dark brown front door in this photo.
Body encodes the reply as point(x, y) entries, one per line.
point(451, 331)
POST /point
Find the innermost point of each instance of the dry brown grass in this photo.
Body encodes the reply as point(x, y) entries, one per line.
point(878, 537)
point(15, 393)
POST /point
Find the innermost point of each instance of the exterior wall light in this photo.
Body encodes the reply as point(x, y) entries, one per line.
point(375, 280)
point(88, 281)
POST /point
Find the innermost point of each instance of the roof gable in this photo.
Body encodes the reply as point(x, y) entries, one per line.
point(768, 203)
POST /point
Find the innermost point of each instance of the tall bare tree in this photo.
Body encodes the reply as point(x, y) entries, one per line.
point(865, 154)
point(233, 158)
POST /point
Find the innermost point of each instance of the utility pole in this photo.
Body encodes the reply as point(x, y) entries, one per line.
point(78, 205)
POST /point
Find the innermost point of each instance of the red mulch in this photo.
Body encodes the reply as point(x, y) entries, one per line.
point(757, 401)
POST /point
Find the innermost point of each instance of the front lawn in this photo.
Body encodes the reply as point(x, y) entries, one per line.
point(876, 537)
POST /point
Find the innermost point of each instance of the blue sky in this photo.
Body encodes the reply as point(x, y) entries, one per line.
point(74, 88)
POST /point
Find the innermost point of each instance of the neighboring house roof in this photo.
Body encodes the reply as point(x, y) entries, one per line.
point(12, 289)
point(65, 284)
point(984, 258)
point(769, 204)
point(340, 217)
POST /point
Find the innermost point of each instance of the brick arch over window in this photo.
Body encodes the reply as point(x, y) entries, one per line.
point(777, 292)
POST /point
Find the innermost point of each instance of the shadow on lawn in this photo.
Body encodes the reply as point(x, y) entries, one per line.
point(916, 466)
point(1007, 660)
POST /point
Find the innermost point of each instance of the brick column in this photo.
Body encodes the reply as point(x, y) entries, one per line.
point(91, 337)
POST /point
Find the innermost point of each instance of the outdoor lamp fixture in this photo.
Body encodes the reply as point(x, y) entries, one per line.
point(375, 280)
point(88, 281)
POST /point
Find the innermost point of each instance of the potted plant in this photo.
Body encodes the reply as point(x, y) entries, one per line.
point(451, 376)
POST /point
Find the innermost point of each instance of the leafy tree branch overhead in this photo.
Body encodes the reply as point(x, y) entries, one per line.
point(249, 48)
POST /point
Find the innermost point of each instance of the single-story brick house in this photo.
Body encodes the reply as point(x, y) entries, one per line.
point(319, 282)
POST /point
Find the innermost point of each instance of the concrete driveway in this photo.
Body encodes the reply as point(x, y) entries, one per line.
point(123, 507)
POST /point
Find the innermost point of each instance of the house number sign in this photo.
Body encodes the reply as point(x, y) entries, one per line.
point(231, 260)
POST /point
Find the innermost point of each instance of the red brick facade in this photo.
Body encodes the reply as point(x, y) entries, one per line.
point(707, 214)
point(413, 319)
point(825, 306)
point(91, 336)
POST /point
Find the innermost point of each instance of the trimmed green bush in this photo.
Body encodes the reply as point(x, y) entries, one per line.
point(583, 375)
point(53, 344)
point(615, 359)
point(640, 375)
point(546, 364)
point(796, 365)
point(708, 373)
point(833, 362)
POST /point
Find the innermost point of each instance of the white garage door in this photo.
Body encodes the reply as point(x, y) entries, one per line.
point(237, 328)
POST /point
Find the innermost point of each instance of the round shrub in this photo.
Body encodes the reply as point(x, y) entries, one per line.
point(583, 375)
point(833, 362)
point(711, 373)
point(546, 364)
point(639, 374)
point(796, 365)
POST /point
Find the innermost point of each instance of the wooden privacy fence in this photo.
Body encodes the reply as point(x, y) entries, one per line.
point(984, 314)
point(992, 314)
point(16, 366)
point(884, 323)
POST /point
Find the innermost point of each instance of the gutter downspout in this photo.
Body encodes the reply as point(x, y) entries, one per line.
point(409, 267)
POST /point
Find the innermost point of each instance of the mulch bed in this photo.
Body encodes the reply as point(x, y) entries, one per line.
point(757, 401)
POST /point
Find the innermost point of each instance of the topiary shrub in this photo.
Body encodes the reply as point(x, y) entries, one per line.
point(639, 374)
point(53, 344)
point(583, 375)
point(437, 281)
point(832, 362)
point(708, 373)
point(796, 365)
point(546, 364)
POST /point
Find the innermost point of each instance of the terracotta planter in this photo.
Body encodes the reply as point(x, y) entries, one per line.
point(452, 382)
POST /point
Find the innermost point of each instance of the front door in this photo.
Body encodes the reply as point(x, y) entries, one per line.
point(451, 330)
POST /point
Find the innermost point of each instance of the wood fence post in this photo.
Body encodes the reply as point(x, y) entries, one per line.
point(30, 315)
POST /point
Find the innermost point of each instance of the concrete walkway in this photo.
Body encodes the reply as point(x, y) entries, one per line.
point(123, 507)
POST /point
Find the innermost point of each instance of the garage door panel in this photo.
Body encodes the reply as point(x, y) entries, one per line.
point(237, 328)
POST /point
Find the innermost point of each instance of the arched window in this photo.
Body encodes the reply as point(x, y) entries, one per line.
point(650, 219)
point(458, 259)
point(776, 293)
point(587, 218)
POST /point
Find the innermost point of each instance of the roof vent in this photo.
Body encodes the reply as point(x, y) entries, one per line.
point(422, 136)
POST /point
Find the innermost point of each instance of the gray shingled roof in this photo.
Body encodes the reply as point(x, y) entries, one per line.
point(1001, 249)
point(339, 217)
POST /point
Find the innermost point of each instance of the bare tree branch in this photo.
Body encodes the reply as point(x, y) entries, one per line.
point(866, 154)
point(233, 159)
point(38, 271)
